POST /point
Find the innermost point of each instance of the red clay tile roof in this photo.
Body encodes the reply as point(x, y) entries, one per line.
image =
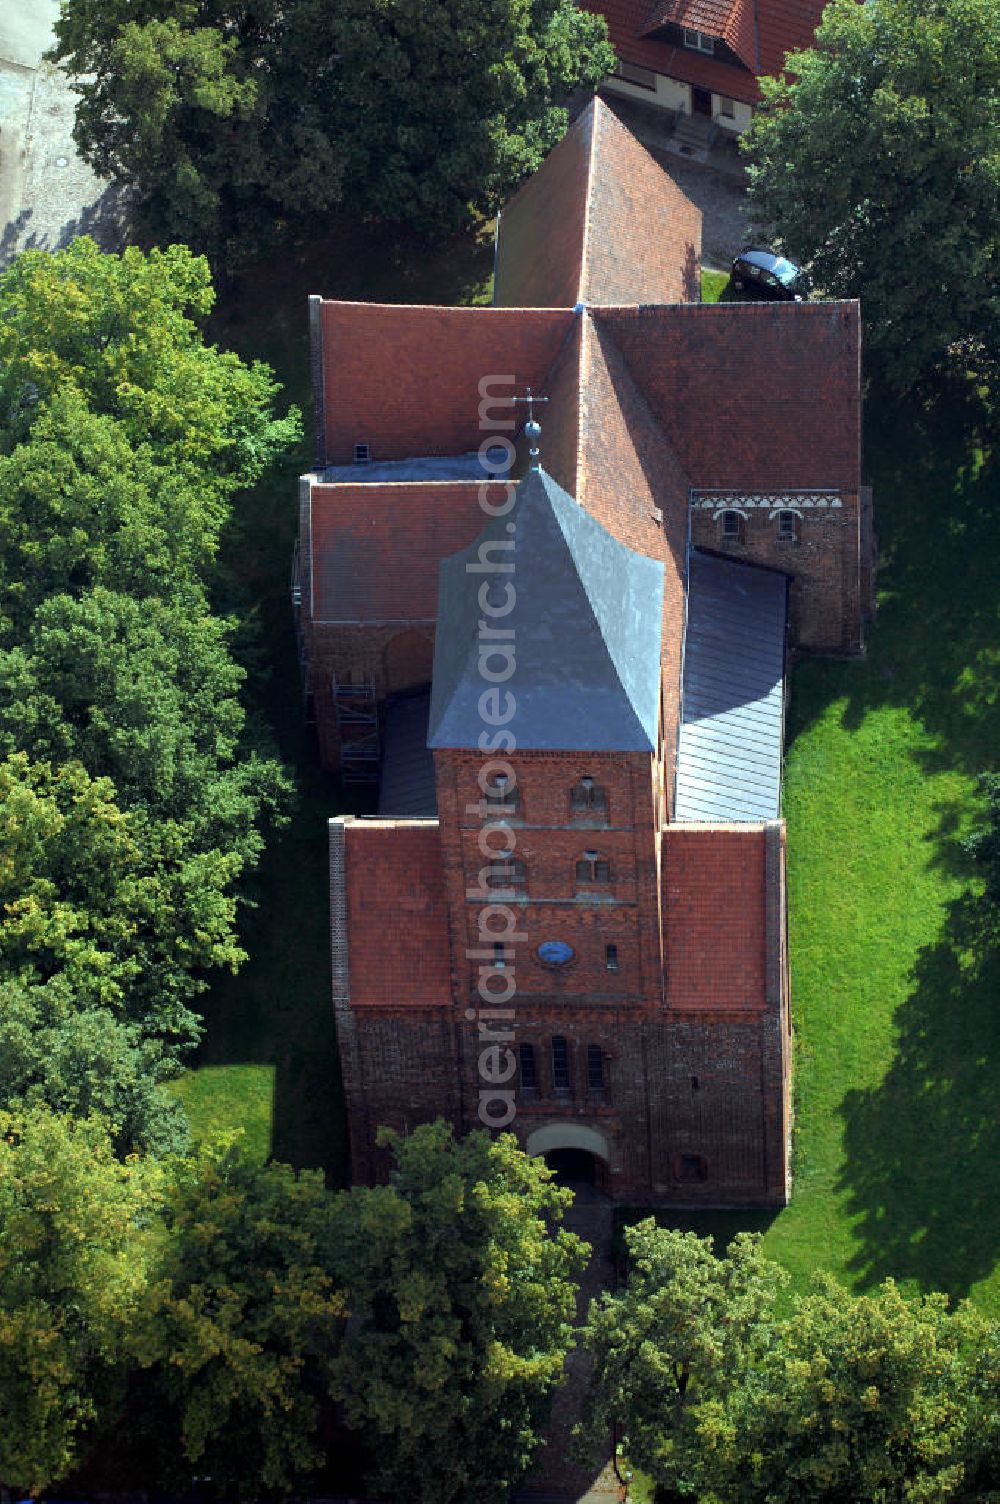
point(375, 549)
point(782, 26)
point(405, 380)
point(600, 222)
point(732, 20)
point(786, 26)
point(396, 911)
point(541, 230)
point(751, 394)
point(713, 890)
point(643, 240)
point(627, 469)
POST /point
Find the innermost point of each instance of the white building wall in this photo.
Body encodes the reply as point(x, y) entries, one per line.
point(671, 94)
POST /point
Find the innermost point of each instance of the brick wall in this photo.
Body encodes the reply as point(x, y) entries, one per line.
point(824, 561)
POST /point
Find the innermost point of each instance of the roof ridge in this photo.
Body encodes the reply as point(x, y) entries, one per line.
point(596, 106)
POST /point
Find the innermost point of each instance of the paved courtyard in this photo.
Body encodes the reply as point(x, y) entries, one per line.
point(47, 195)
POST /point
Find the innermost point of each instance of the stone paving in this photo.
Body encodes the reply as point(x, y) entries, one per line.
point(714, 179)
point(47, 194)
point(557, 1478)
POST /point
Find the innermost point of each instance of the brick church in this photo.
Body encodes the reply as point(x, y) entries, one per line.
point(553, 636)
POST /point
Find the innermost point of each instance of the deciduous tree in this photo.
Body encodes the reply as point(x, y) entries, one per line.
point(462, 1284)
point(229, 119)
point(879, 163)
point(76, 1228)
point(240, 1327)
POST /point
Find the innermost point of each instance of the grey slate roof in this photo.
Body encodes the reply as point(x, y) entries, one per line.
point(729, 751)
point(586, 623)
point(407, 785)
point(420, 468)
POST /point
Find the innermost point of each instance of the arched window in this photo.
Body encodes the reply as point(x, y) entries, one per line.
point(593, 868)
point(529, 1076)
point(595, 1070)
point(503, 797)
point(561, 1080)
point(732, 526)
point(588, 798)
point(788, 526)
point(506, 872)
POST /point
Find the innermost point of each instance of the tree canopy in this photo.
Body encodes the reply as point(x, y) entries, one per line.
point(76, 1234)
point(878, 162)
point(462, 1285)
point(726, 1392)
point(133, 796)
point(228, 120)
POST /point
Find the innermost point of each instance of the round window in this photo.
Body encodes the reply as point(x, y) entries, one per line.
point(555, 952)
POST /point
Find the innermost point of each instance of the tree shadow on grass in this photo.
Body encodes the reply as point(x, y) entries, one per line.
point(934, 648)
point(922, 1149)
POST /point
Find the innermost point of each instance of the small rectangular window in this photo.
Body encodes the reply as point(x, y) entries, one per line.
point(499, 955)
point(595, 1068)
point(727, 107)
point(787, 525)
point(698, 41)
point(362, 454)
point(645, 78)
point(731, 524)
point(611, 957)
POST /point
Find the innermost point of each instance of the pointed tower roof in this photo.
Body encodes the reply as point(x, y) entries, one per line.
point(585, 625)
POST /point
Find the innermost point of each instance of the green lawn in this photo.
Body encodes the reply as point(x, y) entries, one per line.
point(897, 1143)
point(713, 284)
point(897, 1028)
point(268, 1062)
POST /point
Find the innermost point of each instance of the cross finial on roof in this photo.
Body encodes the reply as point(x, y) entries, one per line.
point(532, 429)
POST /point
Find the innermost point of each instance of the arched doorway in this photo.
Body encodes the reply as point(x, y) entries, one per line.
point(572, 1166)
point(579, 1155)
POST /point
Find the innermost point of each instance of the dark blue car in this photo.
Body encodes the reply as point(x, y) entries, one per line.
point(770, 276)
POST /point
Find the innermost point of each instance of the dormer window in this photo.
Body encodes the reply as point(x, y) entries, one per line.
point(698, 41)
point(362, 454)
point(588, 798)
point(593, 868)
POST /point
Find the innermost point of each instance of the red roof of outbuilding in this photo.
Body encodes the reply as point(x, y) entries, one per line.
point(732, 20)
point(396, 915)
point(781, 26)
